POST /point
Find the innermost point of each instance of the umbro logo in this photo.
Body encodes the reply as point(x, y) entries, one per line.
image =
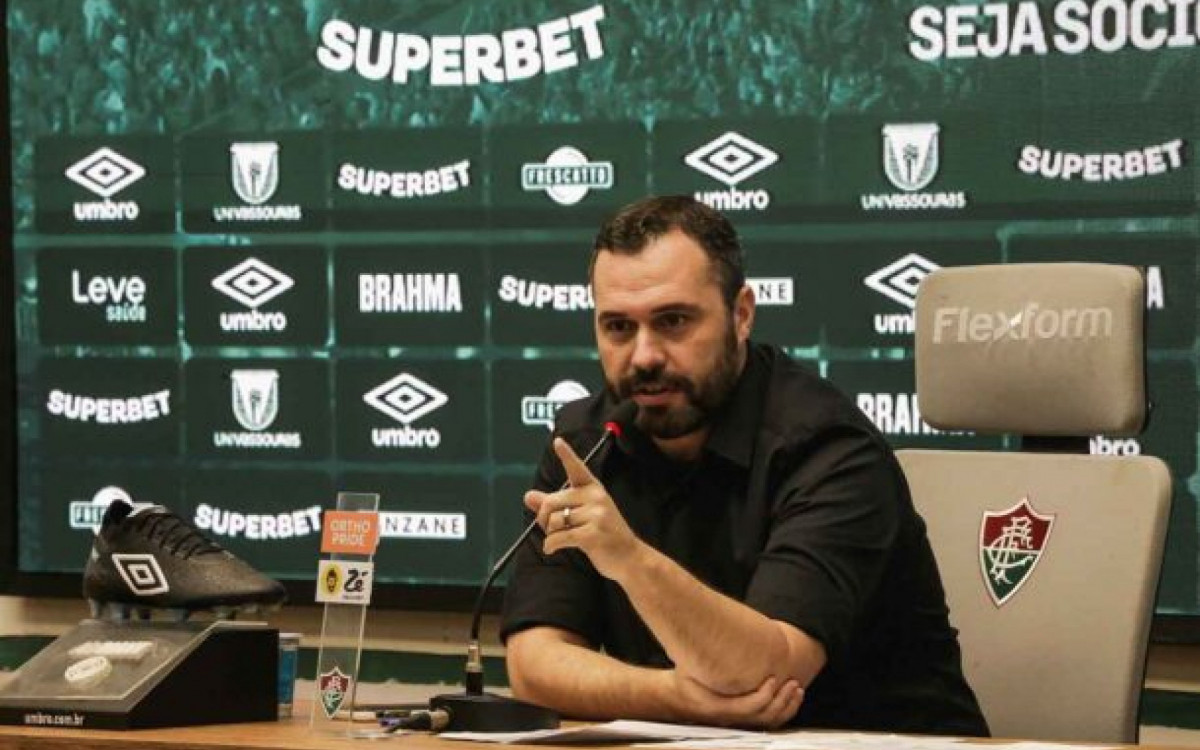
point(253, 283)
point(731, 158)
point(105, 172)
point(898, 281)
point(405, 398)
point(141, 573)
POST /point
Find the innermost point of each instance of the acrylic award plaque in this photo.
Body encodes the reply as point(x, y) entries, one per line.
point(132, 675)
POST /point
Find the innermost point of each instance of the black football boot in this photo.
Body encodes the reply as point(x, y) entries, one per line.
point(149, 558)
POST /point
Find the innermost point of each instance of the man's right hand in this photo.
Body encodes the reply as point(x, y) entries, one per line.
point(770, 706)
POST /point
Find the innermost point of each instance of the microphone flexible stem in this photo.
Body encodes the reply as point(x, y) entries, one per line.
point(477, 617)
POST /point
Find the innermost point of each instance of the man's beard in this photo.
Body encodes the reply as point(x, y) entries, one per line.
point(702, 399)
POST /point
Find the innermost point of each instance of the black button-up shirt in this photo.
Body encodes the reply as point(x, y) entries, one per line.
point(798, 508)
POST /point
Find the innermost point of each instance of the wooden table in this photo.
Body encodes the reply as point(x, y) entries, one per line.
point(288, 734)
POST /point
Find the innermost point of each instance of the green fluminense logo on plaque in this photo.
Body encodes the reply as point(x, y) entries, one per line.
point(333, 687)
point(1011, 543)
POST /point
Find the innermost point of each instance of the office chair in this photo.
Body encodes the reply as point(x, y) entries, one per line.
point(1050, 558)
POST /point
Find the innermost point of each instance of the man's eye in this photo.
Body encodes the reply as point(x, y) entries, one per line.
point(672, 321)
point(617, 327)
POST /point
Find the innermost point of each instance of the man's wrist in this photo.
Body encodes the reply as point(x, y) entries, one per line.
point(638, 562)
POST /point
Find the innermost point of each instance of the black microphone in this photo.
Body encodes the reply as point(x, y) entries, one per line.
point(475, 710)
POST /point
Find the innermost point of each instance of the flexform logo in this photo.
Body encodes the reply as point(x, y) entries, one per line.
point(253, 283)
point(254, 176)
point(732, 158)
point(1030, 322)
point(541, 410)
point(254, 400)
point(409, 293)
point(406, 399)
point(911, 156)
point(122, 298)
point(898, 282)
point(105, 173)
point(567, 176)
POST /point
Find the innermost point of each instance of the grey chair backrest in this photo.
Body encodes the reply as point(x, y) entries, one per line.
point(1050, 561)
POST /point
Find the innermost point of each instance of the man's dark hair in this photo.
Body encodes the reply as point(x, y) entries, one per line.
point(638, 224)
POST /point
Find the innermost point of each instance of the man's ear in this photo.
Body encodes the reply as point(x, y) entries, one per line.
point(743, 312)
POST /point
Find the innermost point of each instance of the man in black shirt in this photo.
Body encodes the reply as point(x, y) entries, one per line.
point(750, 554)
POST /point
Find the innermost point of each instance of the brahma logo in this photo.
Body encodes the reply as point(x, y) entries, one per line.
point(406, 399)
point(409, 293)
point(105, 173)
point(895, 413)
point(567, 176)
point(141, 573)
point(253, 284)
point(1011, 544)
point(898, 282)
point(254, 176)
point(731, 159)
point(540, 410)
point(911, 155)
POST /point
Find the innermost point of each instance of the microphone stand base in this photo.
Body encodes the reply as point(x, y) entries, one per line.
point(492, 713)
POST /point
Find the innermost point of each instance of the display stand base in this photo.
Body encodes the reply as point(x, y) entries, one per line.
point(191, 673)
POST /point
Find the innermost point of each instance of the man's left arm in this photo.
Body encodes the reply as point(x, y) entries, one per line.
point(720, 642)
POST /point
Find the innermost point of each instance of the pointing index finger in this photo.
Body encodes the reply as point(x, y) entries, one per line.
point(578, 473)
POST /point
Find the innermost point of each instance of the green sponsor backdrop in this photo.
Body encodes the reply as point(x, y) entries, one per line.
point(775, 111)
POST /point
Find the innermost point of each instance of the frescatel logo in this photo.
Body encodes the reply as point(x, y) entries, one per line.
point(898, 282)
point(567, 176)
point(540, 410)
point(732, 158)
point(406, 399)
point(85, 515)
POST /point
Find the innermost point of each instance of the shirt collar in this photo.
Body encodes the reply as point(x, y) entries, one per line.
point(736, 424)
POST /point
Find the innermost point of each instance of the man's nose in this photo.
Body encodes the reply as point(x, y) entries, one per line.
point(648, 352)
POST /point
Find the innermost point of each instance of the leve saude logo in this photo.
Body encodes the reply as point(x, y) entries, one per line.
point(253, 283)
point(406, 399)
point(122, 298)
point(732, 158)
point(911, 158)
point(105, 173)
point(898, 281)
